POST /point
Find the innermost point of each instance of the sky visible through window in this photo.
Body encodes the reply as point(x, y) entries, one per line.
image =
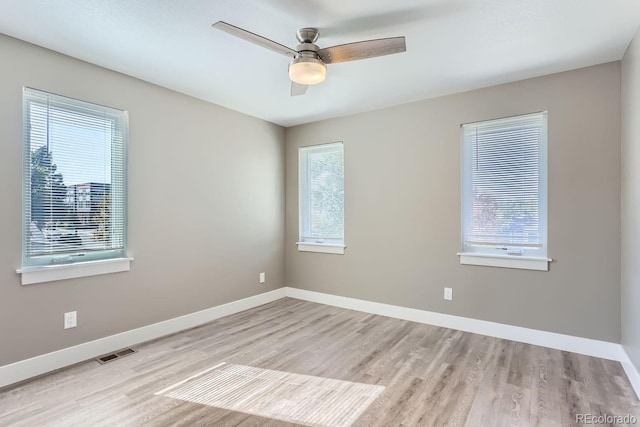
point(81, 153)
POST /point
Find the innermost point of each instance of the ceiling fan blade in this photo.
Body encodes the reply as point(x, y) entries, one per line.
point(298, 89)
point(254, 38)
point(362, 50)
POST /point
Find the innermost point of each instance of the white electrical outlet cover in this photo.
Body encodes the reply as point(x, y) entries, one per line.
point(70, 319)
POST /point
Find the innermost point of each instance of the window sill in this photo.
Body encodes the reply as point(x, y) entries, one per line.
point(505, 261)
point(50, 273)
point(321, 247)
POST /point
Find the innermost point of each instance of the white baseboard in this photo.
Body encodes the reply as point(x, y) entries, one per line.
point(28, 368)
point(631, 371)
point(589, 347)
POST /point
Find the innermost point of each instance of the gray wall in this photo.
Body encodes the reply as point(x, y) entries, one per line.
point(206, 208)
point(402, 207)
point(631, 201)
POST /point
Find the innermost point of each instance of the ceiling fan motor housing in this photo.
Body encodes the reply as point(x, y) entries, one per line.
point(307, 35)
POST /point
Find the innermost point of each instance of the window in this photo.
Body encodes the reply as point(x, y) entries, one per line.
point(321, 198)
point(504, 192)
point(74, 201)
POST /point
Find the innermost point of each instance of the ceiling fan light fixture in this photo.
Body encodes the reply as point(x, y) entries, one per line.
point(307, 71)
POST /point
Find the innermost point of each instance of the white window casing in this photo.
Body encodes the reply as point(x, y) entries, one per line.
point(504, 192)
point(321, 198)
point(74, 188)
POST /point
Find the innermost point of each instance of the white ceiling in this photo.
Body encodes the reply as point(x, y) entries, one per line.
point(452, 45)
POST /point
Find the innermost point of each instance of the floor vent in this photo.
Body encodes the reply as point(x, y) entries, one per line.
point(116, 355)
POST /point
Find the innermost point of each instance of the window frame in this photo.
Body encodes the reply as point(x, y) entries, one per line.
point(309, 244)
point(505, 255)
point(71, 264)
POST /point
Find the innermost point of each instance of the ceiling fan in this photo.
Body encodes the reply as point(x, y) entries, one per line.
point(309, 61)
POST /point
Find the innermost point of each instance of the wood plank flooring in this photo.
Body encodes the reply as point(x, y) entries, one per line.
point(432, 376)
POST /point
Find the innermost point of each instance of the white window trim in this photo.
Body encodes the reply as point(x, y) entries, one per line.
point(478, 255)
point(332, 246)
point(321, 248)
point(31, 274)
point(51, 273)
point(505, 261)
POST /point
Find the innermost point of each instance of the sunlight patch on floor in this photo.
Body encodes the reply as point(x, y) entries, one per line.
point(296, 398)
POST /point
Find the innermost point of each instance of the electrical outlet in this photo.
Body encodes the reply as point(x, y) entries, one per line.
point(262, 278)
point(448, 294)
point(70, 319)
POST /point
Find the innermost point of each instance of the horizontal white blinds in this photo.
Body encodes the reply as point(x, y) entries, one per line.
point(321, 193)
point(503, 196)
point(74, 180)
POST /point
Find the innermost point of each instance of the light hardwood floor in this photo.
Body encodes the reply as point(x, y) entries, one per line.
point(432, 376)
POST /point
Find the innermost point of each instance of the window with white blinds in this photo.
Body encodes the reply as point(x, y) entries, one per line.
point(74, 202)
point(504, 186)
point(321, 187)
